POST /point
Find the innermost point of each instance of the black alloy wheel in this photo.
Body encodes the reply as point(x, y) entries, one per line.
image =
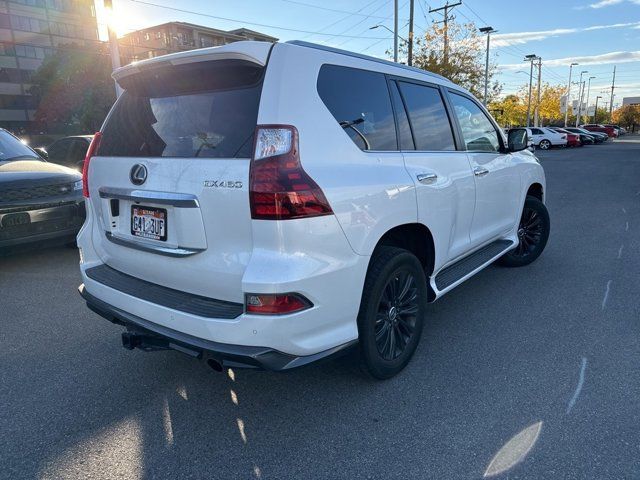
point(396, 316)
point(533, 234)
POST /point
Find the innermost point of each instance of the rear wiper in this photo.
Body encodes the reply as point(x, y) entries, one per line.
point(352, 125)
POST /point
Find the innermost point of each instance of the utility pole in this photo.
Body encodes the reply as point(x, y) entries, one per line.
point(581, 86)
point(566, 112)
point(595, 112)
point(113, 44)
point(530, 58)
point(537, 111)
point(395, 31)
point(445, 21)
point(613, 86)
point(588, 92)
point(410, 47)
point(488, 31)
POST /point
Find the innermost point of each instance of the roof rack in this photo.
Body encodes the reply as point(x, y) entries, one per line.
point(302, 43)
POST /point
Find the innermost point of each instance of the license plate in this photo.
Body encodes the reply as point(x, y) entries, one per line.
point(149, 222)
point(15, 219)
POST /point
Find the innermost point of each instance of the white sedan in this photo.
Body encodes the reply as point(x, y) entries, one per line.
point(544, 138)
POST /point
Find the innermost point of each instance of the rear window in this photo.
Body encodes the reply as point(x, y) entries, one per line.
point(359, 101)
point(205, 109)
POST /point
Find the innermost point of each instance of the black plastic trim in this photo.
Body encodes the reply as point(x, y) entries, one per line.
point(167, 297)
point(152, 336)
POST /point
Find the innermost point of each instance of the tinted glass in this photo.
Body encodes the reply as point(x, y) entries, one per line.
point(13, 149)
point(478, 132)
point(431, 127)
point(359, 101)
point(404, 130)
point(78, 151)
point(59, 150)
point(207, 109)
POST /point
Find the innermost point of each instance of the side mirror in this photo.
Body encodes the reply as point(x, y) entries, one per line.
point(517, 139)
point(42, 152)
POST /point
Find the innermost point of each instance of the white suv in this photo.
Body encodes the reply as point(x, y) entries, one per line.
point(269, 205)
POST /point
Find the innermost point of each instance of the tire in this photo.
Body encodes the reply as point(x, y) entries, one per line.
point(533, 234)
point(544, 145)
point(392, 311)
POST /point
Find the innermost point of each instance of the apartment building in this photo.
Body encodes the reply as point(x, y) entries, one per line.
point(177, 36)
point(29, 31)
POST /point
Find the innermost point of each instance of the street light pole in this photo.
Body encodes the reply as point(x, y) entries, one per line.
point(537, 111)
point(488, 31)
point(588, 92)
point(530, 58)
point(566, 112)
point(580, 95)
point(410, 46)
point(595, 112)
point(395, 31)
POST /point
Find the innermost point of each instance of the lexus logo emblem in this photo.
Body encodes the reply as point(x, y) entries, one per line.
point(138, 174)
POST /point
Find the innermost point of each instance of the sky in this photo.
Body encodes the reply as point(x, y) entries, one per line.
point(597, 34)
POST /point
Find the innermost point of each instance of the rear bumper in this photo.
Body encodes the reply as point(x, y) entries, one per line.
point(151, 336)
point(20, 225)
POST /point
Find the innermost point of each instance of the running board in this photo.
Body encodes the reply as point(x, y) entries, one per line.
point(456, 272)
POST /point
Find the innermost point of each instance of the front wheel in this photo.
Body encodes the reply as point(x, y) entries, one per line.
point(392, 311)
point(533, 233)
point(544, 145)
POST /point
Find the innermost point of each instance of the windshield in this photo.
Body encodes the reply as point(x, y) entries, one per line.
point(13, 149)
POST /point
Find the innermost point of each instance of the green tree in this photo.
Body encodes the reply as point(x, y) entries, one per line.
point(73, 89)
point(466, 58)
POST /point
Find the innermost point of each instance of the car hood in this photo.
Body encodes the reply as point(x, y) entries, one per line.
point(35, 172)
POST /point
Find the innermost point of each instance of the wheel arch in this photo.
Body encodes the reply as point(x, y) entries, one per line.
point(536, 190)
point(416, 238)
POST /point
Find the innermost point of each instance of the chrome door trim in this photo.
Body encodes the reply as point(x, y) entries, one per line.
point(182, 200)
point(153, 248)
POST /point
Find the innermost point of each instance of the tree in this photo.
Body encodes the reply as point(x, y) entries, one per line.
point(466, 62)
point(627, 116)
point(73, 89)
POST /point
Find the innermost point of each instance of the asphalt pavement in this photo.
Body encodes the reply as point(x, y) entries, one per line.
point(521, 373)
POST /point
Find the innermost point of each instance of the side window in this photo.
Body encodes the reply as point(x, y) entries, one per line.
point(359, 101)
point(431, 127)
point(478, 132)
point(78, 151)
point(58, 151)
point(404, 129)
point(537, 131)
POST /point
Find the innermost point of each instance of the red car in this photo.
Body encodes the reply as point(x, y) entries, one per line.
point(594, 127)
point(573, 139)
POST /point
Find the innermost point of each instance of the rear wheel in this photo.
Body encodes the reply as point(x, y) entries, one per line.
point(533, 233)
point(392, 311)
point(544, 145)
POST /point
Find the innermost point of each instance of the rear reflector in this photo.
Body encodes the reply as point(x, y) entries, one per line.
point(279, 188)
point(275, 304)
point(93, 148)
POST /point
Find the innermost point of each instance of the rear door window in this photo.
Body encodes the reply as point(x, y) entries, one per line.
point(429, 120)
point(359, 101)
point(205, 109)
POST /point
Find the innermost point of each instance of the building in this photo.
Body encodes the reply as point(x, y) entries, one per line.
point(29, 31)
point(178, 36)
point(630, 101)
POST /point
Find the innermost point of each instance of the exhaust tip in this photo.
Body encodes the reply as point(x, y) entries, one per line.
point(215, 364)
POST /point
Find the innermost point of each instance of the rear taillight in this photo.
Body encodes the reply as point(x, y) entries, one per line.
point(275, 304)
point(93, 148)
point(279, 188)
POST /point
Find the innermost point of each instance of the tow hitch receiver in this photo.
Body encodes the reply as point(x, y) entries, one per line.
point(150, 343)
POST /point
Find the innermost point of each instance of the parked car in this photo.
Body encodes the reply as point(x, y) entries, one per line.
point(269, 205)
point(592, 127)
point(597, 137)
point(38, 200)
point(67, 151)
point(545, 138)
point(573, 139)
point(619, 130)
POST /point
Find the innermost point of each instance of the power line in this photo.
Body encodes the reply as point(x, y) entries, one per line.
point(296, 2)
point(384, 4)
point(323, 29)
point(446, 19)
point(228, 19)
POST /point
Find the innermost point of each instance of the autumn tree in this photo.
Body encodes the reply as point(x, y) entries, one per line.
point(465, 64)
point(627, 116)
point(74, 89)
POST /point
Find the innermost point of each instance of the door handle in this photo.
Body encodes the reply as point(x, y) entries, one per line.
point(480, 171)
point(427, 178)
